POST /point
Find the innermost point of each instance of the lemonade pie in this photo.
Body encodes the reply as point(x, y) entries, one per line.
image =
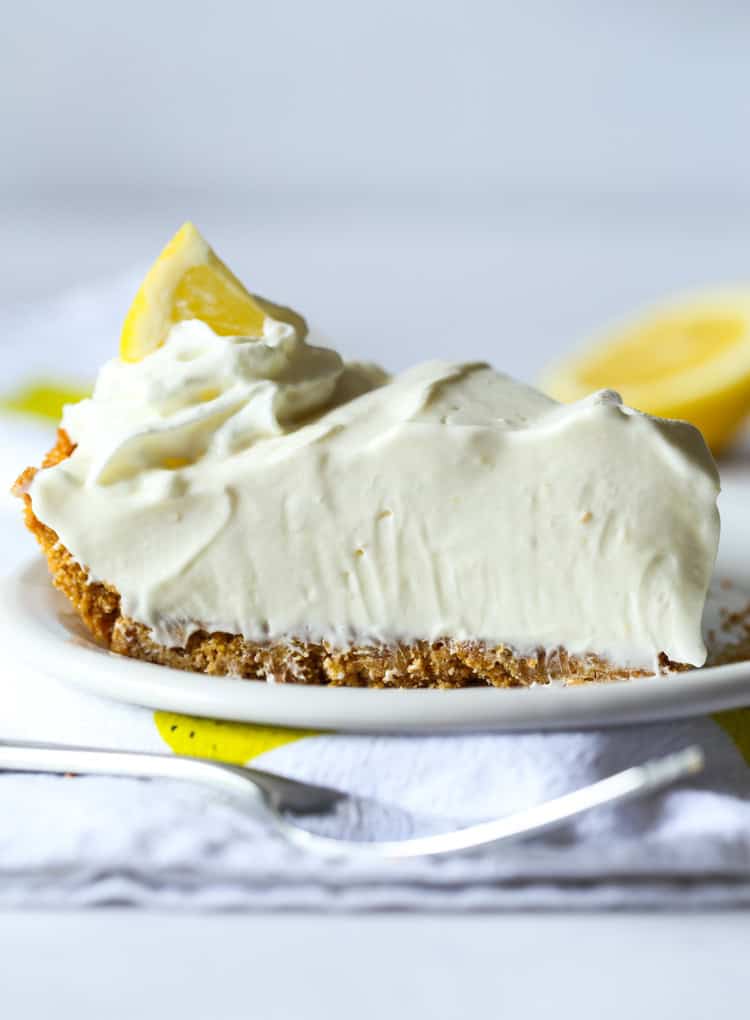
point(235, 498)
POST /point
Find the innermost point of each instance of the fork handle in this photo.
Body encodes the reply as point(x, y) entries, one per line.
point(615, 789)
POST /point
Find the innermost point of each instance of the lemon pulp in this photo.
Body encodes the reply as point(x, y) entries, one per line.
point(687, 359)
point(189, 281)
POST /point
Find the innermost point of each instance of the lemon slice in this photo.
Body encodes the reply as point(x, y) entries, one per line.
point(189, 281)
point(688, 358)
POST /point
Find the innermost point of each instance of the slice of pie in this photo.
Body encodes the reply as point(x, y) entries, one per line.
point(236, 500)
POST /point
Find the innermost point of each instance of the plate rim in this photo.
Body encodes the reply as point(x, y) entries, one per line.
point(27, 601)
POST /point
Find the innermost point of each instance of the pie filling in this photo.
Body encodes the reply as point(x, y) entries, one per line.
point(256, 506)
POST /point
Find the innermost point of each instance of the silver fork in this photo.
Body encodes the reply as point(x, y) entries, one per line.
point(306, 814)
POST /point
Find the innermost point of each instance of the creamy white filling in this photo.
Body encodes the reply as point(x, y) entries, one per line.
point(263, 487)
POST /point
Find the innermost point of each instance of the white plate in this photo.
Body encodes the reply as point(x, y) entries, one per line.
point(44, 632)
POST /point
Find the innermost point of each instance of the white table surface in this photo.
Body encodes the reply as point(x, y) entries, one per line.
point(121, 964)
point(518, 293)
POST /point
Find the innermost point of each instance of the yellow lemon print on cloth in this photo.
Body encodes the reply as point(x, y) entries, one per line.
point(43, 399)
point(231, 742)
point(736, 724)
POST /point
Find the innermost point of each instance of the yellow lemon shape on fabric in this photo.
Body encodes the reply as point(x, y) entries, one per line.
point(688, 358)
point(231, 742)
point(736, 723)
point(189, 281)
point(43, 399)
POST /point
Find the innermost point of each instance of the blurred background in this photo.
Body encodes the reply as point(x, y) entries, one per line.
point(474, 179)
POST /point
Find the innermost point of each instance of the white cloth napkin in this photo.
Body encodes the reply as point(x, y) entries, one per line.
point(79, 841)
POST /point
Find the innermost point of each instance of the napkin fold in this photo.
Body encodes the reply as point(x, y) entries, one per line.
point(68, 841)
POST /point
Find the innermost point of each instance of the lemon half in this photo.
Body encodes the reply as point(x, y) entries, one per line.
point(688, 358)
point(189, 281)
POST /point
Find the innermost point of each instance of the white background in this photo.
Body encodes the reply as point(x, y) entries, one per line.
point(482, 179)
point(468, 179)
point(391, 105)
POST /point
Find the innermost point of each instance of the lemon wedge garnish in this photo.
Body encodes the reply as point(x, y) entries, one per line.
point(688, 358)
point(189, 281)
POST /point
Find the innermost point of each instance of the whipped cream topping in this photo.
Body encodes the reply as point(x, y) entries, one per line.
point(261, 486)
point(203, 397)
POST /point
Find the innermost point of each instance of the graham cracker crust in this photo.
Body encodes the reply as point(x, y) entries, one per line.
point(439, 664)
